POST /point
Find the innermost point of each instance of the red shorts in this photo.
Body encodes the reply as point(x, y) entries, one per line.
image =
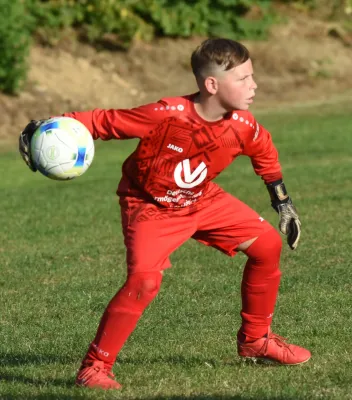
point(151, 234)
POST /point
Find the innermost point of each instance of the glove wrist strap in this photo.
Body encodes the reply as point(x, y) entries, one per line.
point(278, 193)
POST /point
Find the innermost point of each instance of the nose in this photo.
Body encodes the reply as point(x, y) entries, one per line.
point(253, 84)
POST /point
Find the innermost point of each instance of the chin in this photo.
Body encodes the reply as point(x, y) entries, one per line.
point(236, 106)
point(242, 107)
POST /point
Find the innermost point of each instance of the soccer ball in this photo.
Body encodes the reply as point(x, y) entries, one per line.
point(62, 148)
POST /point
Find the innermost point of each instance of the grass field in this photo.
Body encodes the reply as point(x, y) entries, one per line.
point(62, 259)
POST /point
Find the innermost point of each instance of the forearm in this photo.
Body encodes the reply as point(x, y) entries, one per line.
point(94, 122)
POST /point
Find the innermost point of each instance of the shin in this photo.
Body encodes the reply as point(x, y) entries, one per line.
point(122, 314)
point(260, 284)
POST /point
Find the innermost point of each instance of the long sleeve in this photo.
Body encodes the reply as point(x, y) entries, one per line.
point(119, 124)
point(258, 145)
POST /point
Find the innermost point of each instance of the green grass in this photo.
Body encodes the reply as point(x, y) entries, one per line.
point(62, 259)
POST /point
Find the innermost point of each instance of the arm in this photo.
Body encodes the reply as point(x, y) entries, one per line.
point(259, 147)
point(103, 124)
point(119, 124)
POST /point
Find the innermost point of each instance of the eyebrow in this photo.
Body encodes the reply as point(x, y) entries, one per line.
point(245, 76)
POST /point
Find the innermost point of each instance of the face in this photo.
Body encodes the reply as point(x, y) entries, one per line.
point(235, 88)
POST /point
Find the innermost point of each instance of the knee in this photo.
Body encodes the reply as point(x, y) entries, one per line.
point(266, 248)
point(143, 286)
point(272, 240)
point(137, 293)
point(148, 284)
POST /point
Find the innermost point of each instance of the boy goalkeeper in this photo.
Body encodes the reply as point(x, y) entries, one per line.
point(167, 196)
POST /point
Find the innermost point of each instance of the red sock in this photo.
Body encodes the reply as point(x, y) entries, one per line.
point(121, 316)
point(260, 285)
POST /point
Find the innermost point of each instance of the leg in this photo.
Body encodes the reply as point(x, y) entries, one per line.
point(150, 237)
point(118, 322)
point(230, 226)
point(260, 285)
point(122, 314)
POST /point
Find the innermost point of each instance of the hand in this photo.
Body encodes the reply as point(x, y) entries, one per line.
point(289, 223)
point(25, 141)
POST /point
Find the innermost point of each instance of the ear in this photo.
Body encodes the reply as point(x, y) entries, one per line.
point(211, 85)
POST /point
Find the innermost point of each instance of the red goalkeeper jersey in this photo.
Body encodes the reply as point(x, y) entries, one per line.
point(179, 153)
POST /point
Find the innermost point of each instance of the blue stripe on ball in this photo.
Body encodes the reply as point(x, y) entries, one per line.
point(51, 125)
point(81, 156)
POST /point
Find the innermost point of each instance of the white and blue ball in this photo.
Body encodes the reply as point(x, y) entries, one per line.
point(62, 148)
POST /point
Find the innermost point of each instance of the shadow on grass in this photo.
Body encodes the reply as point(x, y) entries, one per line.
point(219, 397)
point(120, 396)
point(42, 397)
point(194, 361)
point(16, 377)
point(15, 360)
point(171, 359)
point(68, 384)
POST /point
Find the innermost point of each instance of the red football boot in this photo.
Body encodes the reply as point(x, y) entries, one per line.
point(273, 348)
point(94, 375)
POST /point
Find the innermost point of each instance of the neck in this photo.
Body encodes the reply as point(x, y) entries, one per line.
point(207, 108)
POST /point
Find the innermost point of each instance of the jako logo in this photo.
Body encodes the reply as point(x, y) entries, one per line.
point(100, 351)
point(173, 147)
point(190, 179)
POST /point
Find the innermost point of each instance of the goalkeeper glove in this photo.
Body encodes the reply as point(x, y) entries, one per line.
point(289, 223)
point(25, 141)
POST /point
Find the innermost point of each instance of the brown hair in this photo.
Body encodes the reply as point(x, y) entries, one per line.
point(213, 53)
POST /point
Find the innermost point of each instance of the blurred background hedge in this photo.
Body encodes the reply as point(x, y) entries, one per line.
point(125, 21)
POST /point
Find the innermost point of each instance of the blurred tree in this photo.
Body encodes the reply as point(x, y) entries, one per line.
point(14, 45)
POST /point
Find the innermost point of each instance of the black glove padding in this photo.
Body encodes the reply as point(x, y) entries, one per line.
point(25, 141)
point(289, 223)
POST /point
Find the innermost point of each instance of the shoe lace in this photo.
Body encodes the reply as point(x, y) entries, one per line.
point(279, 340)
point(98, 369)
point(104, 371)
